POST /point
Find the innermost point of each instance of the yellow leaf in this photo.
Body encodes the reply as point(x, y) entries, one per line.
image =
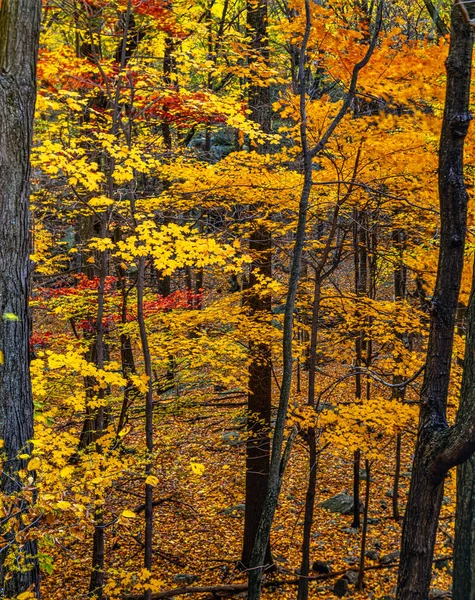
point(197, 468)
point(10, 317)
point(23, 456)
point(90, 259)
point(66, 472)
point(2, 360)
point(34, 464)
point(129, 514)
point(2, 443)
point(25, 596)
point(63, 505)
point(151, 480)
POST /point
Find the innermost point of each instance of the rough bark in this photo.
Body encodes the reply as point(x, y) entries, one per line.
point(260, 371)
point(19, 33)
point(437, 448)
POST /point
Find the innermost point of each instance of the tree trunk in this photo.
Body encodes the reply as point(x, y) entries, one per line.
point(434, 452)
point(260, 370)
point(19, 33)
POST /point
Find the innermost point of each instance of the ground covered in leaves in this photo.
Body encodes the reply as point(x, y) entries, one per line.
point(199, 513)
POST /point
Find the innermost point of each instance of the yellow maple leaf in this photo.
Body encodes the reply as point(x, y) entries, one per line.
point(34, 463)
point(151, 480)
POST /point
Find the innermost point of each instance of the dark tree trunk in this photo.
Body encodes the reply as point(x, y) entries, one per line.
point(260, 371)
point(360, 582)
point(436, 447)
point(361, 277)
point(19, 33)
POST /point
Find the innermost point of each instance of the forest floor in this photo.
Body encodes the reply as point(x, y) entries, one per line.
point(199, 517)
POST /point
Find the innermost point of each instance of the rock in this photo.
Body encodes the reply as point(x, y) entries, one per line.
point(372, 521)
point(364, 475)
point(185, 578)
point(351, 560)
point(231, 438)
point(435, 593)
point(383, 504)
point(372, 554)
point(387, 559)
point(341, 587)
point(351, 577)
point(321, 567)
point(446, 500)
point(341, 503)
point(234, 511)
point(280, 558)
point(350, 530)
point(389, 493)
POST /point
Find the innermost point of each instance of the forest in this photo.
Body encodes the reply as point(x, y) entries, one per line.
point(237, 299)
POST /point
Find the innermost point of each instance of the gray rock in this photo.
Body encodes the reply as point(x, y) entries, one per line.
point(435, 593)
point(372, 554)
point(185, 578)
point(389, 493)
point(341, 587)
point(387, 559)
point(372, 521)
point(446, 500)
point(350, 530)
point(351, 577)
point(234, 511)
point(231, 438)
point(341, 503)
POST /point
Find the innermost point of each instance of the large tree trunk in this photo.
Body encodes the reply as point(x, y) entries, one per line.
point(430, 464)
point(260, 371)
point(19, 33)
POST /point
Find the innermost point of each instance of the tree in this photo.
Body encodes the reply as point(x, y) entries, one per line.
point(439, 447)
point(19, 35)
point(260, 370)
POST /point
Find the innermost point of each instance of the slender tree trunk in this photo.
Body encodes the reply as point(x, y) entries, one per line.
point(429, 469)
point(148, 423)
point(312, 448)
point(279, 457)
point(360, 582)
point(19, 33)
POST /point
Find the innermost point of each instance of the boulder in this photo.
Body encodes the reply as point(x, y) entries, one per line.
point(321, 567)
point(185, 579)
point(351, 577)
point(340, 588)
point(341, 503)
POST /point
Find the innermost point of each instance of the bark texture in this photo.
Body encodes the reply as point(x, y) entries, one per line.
point(260, 371)
point(434, 453)
point(19, 33)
